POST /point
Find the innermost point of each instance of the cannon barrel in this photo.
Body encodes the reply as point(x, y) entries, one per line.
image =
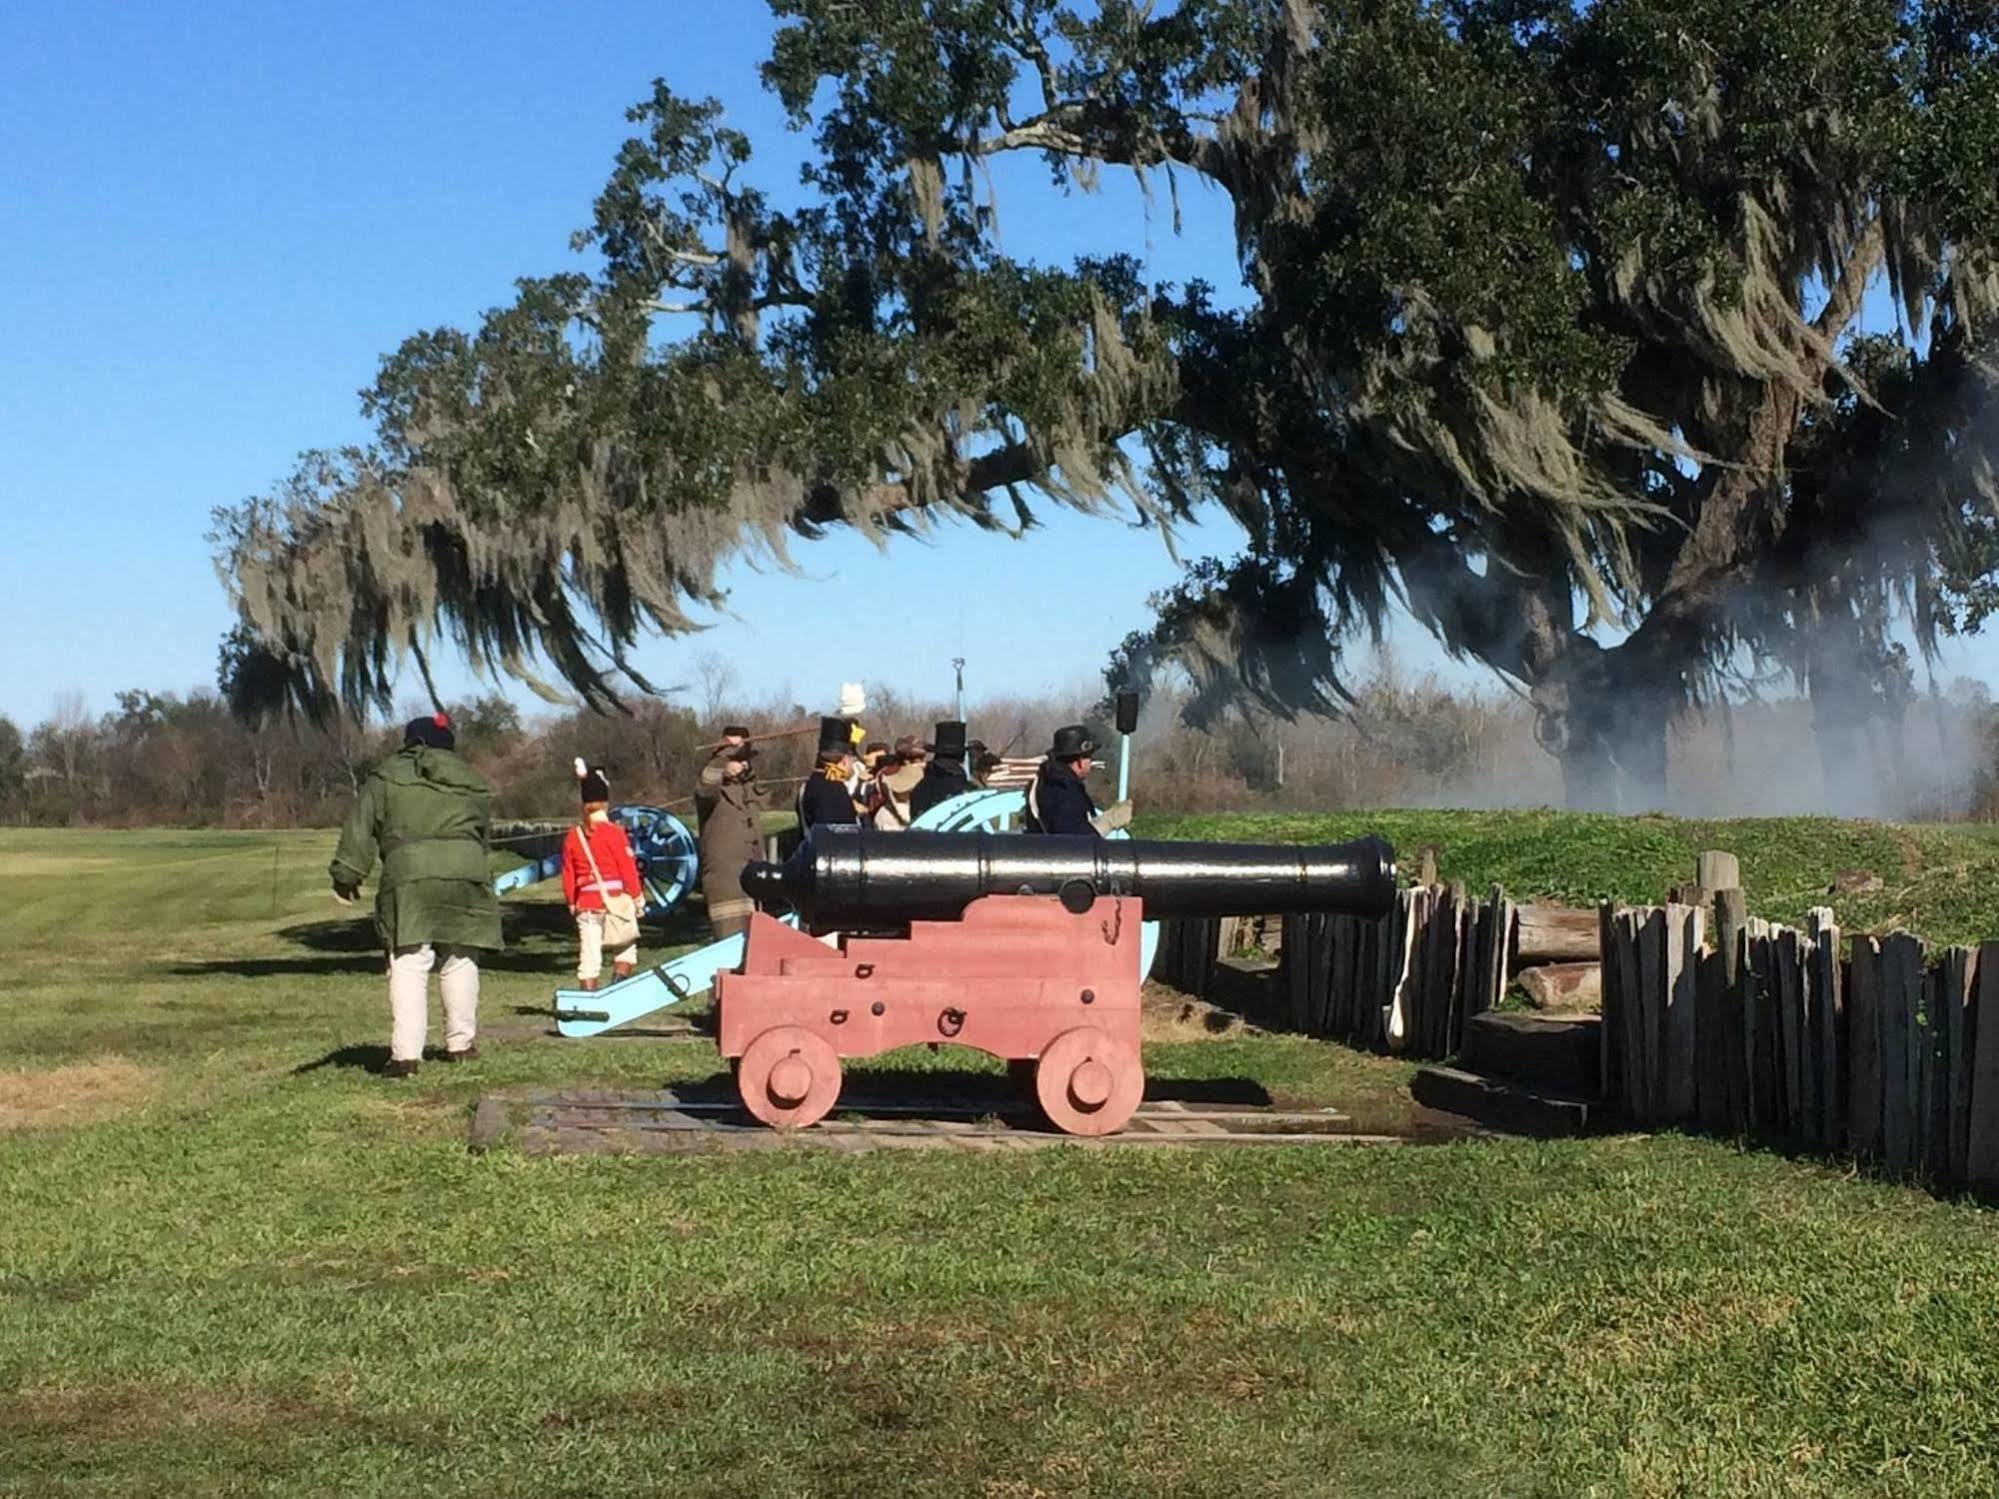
point(850, 876)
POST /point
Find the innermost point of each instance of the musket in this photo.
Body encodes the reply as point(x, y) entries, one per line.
point(806, 728)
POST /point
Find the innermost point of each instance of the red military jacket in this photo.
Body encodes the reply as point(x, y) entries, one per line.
point(613, 851)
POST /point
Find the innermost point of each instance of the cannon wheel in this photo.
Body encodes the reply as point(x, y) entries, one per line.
point(1088, 1084)
point(788, 1077)
point(1001, 810)
point(666, 854)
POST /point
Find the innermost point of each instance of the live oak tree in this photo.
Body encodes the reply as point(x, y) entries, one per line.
point(1552, 330)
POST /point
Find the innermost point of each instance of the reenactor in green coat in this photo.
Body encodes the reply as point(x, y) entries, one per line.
point(423, 812)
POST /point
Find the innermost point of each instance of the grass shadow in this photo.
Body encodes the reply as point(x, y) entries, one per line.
point(907, 1086)
point(369, 1059)
point(366, 1058)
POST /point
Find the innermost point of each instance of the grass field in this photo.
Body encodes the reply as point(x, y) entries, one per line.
point(233, 1259)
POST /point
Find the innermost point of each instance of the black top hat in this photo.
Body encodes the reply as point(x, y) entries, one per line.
point(949, 743)
point(735, 731)
point(1072, 742)
point(836, 738)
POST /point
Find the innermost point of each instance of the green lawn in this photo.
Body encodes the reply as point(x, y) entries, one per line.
point(1941, 882)
point(232, 1259)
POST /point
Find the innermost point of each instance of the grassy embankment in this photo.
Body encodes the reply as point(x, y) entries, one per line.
point(232, 1258)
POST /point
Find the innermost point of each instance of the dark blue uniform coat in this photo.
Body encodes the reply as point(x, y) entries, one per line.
point(824, 798)
point(942, 780)
point(1059, 802)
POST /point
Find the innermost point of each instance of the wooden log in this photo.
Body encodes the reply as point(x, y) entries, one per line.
point(1554, 934)
point(1710, 1045)
point(1464, 972)
point(1230, 941)
point(1452, 1009)
point(1297, 970)
point(1982, 1162)
point(1353, 953)
point(1932, 1086)
point(1822, 1005)
point(1766, 1067)
point(1901, 974)
point(1958, 975)
point(1562, 986)
point(1718, 871)
point(1387, 973)
point(1610, 1045)
point(1439, 948)
point(1631, 981)
point(1730, 913)
point(1338, 952)
point(1790, 1027)
point(1445, 926)
point(1499, 946)
point(1396, 1022)
point(1651, 1025)
point(1678, 1032)
point(1363, 981)
point(1805, 1129)
point(1863, 1049)
point(1829, 1026)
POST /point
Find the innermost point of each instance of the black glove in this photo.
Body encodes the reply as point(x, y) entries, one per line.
point(346, 894)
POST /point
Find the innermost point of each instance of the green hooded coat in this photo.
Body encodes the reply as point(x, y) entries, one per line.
point(423, 813)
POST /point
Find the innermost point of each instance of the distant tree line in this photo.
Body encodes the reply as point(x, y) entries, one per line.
point(166, 759)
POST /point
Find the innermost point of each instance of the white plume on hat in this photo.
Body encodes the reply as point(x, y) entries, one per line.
point(582, 770)
point(853, 702)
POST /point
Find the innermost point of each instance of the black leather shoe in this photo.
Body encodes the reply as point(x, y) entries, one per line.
point(399, 1069)
point(469, 1054)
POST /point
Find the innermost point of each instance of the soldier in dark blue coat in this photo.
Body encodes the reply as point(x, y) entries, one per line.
point(944, 777)
point(824, 797)
point(1058, 801)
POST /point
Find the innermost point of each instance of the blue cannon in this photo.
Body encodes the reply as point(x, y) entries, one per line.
point(661, 845)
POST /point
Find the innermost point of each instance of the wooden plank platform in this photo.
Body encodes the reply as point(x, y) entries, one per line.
point(667, 1122)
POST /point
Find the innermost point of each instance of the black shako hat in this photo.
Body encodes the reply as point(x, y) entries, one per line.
point(433, 732)
point(592, 784)
point(1072, 742)
point(949, 743)
point(836, 738)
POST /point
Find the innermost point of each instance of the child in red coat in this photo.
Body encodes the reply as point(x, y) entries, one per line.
point(600, 881)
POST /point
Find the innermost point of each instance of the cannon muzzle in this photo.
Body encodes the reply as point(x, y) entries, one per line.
point(843, 877)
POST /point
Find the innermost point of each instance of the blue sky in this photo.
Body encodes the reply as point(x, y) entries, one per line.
point(218, 217)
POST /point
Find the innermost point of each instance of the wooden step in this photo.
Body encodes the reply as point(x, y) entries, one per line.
point(1511, 1107)
point(1550, 1053)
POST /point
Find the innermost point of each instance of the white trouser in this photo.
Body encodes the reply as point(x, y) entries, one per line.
point(590, 946)
point(409, 998)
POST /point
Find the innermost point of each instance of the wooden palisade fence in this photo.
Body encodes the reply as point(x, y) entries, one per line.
point(1765, 1031)
point(1406, 983)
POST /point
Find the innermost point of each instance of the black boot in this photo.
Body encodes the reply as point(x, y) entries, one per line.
point(399, 1069)
point(469, 1054)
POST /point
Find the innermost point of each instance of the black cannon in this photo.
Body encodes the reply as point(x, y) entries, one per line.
point(1026, 948)
point(842, 878)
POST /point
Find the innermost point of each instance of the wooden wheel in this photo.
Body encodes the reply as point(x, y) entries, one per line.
point(788, 1077)
point(1087, 1083)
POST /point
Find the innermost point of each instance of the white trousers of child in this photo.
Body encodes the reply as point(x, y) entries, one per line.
point(590, 946)
point(409, 998)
